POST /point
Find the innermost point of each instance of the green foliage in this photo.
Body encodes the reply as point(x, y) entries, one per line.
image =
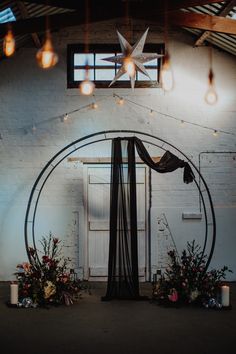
point(48, 279)
point(187, 278)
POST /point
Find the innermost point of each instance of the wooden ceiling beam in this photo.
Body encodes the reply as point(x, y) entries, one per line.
point(155, 4)
point(223, 13)
point(24, 13)
point(203, 21)
point(97, 14)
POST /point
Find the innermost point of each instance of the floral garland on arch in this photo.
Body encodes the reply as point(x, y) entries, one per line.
point(186, 281)
point(47, 280)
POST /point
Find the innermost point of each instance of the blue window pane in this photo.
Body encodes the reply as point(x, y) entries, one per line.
point(99, 61)
point(151, 63)
point(83, 59)
point(124, 77)
point(7, 16)
point(79, 74)
point(105, 74)
point(152, 73)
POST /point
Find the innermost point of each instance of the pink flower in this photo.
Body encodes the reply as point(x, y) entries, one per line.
point(64, 278)
point(26, 266)
point(173, 295)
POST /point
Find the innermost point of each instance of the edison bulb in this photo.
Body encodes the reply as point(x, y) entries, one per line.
point(211, 96)
point(9, 44)
point(46, 56)
point(94, 105)
point(129, 66)
point(86, 87)
point(121, 101)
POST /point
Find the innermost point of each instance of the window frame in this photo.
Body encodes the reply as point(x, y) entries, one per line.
point(111, 48)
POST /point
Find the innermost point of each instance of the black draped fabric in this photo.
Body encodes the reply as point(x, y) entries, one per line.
point(123, 277)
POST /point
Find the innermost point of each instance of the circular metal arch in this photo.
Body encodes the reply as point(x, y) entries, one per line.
point(105, 136)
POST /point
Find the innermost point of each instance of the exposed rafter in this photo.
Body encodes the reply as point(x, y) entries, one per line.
point(136, 10)
point(224, 12)
point(24, 14)
point(158, 4)
point(203, 21)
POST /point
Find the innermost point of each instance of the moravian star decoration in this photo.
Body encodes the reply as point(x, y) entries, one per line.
point(135, 55)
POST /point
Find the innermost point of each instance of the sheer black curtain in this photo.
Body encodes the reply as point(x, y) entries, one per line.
point(123, 278)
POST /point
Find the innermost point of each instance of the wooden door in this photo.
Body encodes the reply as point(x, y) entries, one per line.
point(98, 208)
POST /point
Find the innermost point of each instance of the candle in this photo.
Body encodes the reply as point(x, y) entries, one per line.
point(225, 295)
point(14, 293)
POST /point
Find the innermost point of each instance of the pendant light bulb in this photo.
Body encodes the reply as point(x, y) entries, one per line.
point(129, 66)
point(167, 79)
point(211, 95)
point(9, 44)
point(46, 56)
point(86, 87)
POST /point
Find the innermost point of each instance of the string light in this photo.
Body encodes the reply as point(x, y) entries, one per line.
point(65, 118)
point(173, 117)
point(151, 112)
point(9, 44)
point(46, 57)
point(94, 105)
point(121, 101)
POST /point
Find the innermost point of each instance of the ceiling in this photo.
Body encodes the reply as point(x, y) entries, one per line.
point(208, 21)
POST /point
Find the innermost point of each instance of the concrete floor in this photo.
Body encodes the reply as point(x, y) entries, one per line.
point(125, 327)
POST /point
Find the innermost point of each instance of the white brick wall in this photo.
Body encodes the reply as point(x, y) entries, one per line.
point(30, 96)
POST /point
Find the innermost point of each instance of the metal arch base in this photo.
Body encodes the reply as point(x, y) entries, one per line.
point(72, 147)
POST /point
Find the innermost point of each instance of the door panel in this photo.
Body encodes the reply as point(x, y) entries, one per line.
point(98, 194)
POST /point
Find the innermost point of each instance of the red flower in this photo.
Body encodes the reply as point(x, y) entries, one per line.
point(46, 259)
point(55, 240)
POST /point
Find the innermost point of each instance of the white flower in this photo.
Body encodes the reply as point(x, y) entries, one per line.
point(194, 294)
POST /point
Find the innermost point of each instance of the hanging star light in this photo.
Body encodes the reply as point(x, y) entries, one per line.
point(132, 58)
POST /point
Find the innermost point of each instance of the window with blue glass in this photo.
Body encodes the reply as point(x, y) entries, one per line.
point(7, 15)
point(103, 72)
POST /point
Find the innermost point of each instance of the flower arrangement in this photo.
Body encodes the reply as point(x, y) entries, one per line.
point(186, 280)
point(48, 280)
